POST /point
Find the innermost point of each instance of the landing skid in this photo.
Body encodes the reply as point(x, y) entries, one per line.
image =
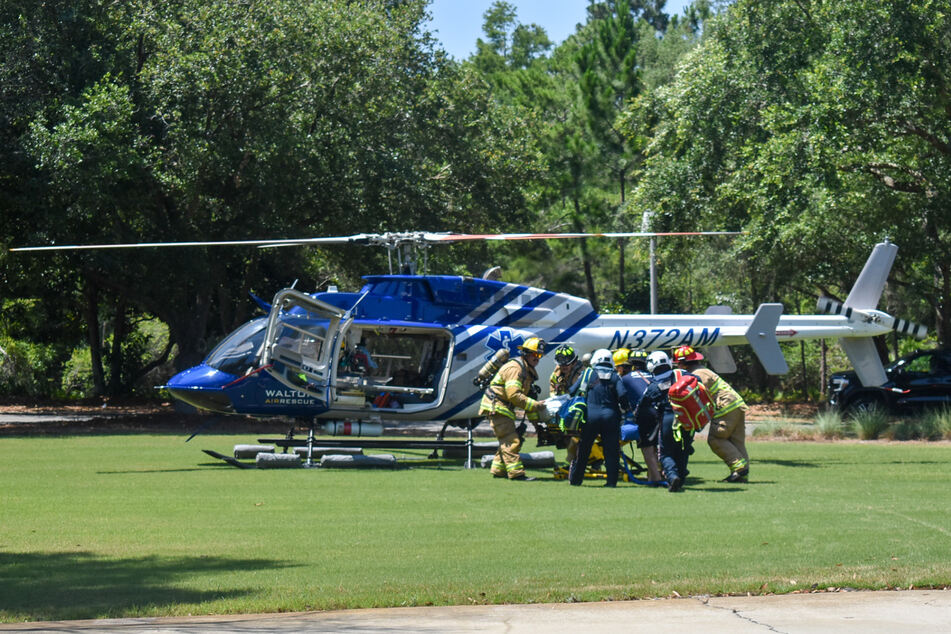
point(232, 461)
point(312, 441)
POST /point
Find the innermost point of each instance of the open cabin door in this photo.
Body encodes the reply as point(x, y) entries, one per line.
point(302, 343)
point(317, 349)
point(391, 369)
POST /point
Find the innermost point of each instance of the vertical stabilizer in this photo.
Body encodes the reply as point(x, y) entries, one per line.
point(864, 358)
point(762, 337)
point(868, 287)
point(864, 296)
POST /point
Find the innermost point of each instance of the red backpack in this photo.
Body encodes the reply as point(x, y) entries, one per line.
point(690, 401)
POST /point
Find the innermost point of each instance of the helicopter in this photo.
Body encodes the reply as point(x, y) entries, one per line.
point(409, 347)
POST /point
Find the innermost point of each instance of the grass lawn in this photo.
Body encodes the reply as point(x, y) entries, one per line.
point(146, 525)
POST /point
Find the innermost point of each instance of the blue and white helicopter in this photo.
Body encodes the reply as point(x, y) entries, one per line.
point(408, 347)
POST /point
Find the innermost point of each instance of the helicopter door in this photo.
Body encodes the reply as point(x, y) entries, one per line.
point(302, 341)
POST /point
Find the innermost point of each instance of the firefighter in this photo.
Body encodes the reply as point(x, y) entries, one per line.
point(511, 389)
point(727, 435)
point(631, 366)
point(567, 371)
point(606, 399)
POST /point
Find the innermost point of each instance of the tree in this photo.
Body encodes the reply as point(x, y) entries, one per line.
point(229, 120)
point(820, 127)
point(508, 44)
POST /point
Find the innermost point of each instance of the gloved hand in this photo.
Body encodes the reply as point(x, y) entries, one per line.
point(542, 412)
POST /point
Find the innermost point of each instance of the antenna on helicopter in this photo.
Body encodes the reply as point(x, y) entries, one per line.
point(494, 273)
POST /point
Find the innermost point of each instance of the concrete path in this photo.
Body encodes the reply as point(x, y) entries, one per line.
point(917, 611)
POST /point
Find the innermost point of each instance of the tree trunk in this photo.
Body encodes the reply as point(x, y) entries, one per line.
point(585, 259)
point(805, 380)
point(187, 330)
point(622, 243)
point(119, 331)
point(91, 309)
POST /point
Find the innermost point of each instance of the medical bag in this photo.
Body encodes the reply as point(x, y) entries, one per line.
point(691, 402)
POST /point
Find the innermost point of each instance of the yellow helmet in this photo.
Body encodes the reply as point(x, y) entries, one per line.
point(638, 359)
point(533, 344)
point(621, 356)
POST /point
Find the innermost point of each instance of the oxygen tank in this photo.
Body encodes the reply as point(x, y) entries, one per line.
point(484, 377)
point(346, 428)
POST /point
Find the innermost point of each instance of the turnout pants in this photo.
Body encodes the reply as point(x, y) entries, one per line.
point(727, 439)
point(507, 462)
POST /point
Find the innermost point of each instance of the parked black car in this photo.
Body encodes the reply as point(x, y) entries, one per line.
point(922, 379)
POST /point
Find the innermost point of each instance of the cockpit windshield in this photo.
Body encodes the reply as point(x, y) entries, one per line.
point(240, 349)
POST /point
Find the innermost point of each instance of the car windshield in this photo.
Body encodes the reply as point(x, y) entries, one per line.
point(924, 363)
point(238, 351)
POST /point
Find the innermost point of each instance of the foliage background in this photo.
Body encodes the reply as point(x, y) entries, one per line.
point(819, 127)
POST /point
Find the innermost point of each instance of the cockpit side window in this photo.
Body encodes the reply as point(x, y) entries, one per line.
point(240, 349)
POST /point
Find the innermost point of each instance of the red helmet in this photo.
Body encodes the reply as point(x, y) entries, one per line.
point(686, 353)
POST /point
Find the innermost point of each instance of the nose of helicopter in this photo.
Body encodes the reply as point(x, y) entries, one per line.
point(201, 386)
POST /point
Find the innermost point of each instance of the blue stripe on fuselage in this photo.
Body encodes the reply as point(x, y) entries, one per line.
point(569, 332)
point(487, 314)
point(473, 339)
point(526, 308)
point(497, 306)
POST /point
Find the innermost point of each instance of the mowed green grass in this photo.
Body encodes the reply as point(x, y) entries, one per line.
point(138, 525)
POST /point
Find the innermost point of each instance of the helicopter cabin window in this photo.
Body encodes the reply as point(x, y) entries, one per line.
point(300, 344)
point(306, 339)
point(393, 370)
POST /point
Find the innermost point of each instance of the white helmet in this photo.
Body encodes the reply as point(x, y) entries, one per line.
point(602, 357)
point(603, 363)
point(656, 360)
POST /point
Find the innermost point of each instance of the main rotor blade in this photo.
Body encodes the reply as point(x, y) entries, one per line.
point(453, 237)
point(212, 243)
point(381, 239)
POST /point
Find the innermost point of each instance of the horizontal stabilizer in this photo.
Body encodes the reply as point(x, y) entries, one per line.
point(864, 358)
point(762, 337)
point(719, 357)
point(901, 326)
point(868, 287)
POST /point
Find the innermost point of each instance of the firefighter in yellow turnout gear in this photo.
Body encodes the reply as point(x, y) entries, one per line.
point(510, 390)
point(567, 370)
point(727, 433)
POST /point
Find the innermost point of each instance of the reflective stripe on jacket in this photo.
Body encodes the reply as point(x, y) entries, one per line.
point(725, 398)
point(509, 389)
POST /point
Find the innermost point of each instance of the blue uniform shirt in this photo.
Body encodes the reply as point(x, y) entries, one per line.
point(606, 397)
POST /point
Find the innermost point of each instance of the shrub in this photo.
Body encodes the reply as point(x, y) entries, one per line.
point(830, 425)
point(143, 344)
point(905, 429)
point(936, 424)
point(77, 373)
point(28, 369)
point(869, 423)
